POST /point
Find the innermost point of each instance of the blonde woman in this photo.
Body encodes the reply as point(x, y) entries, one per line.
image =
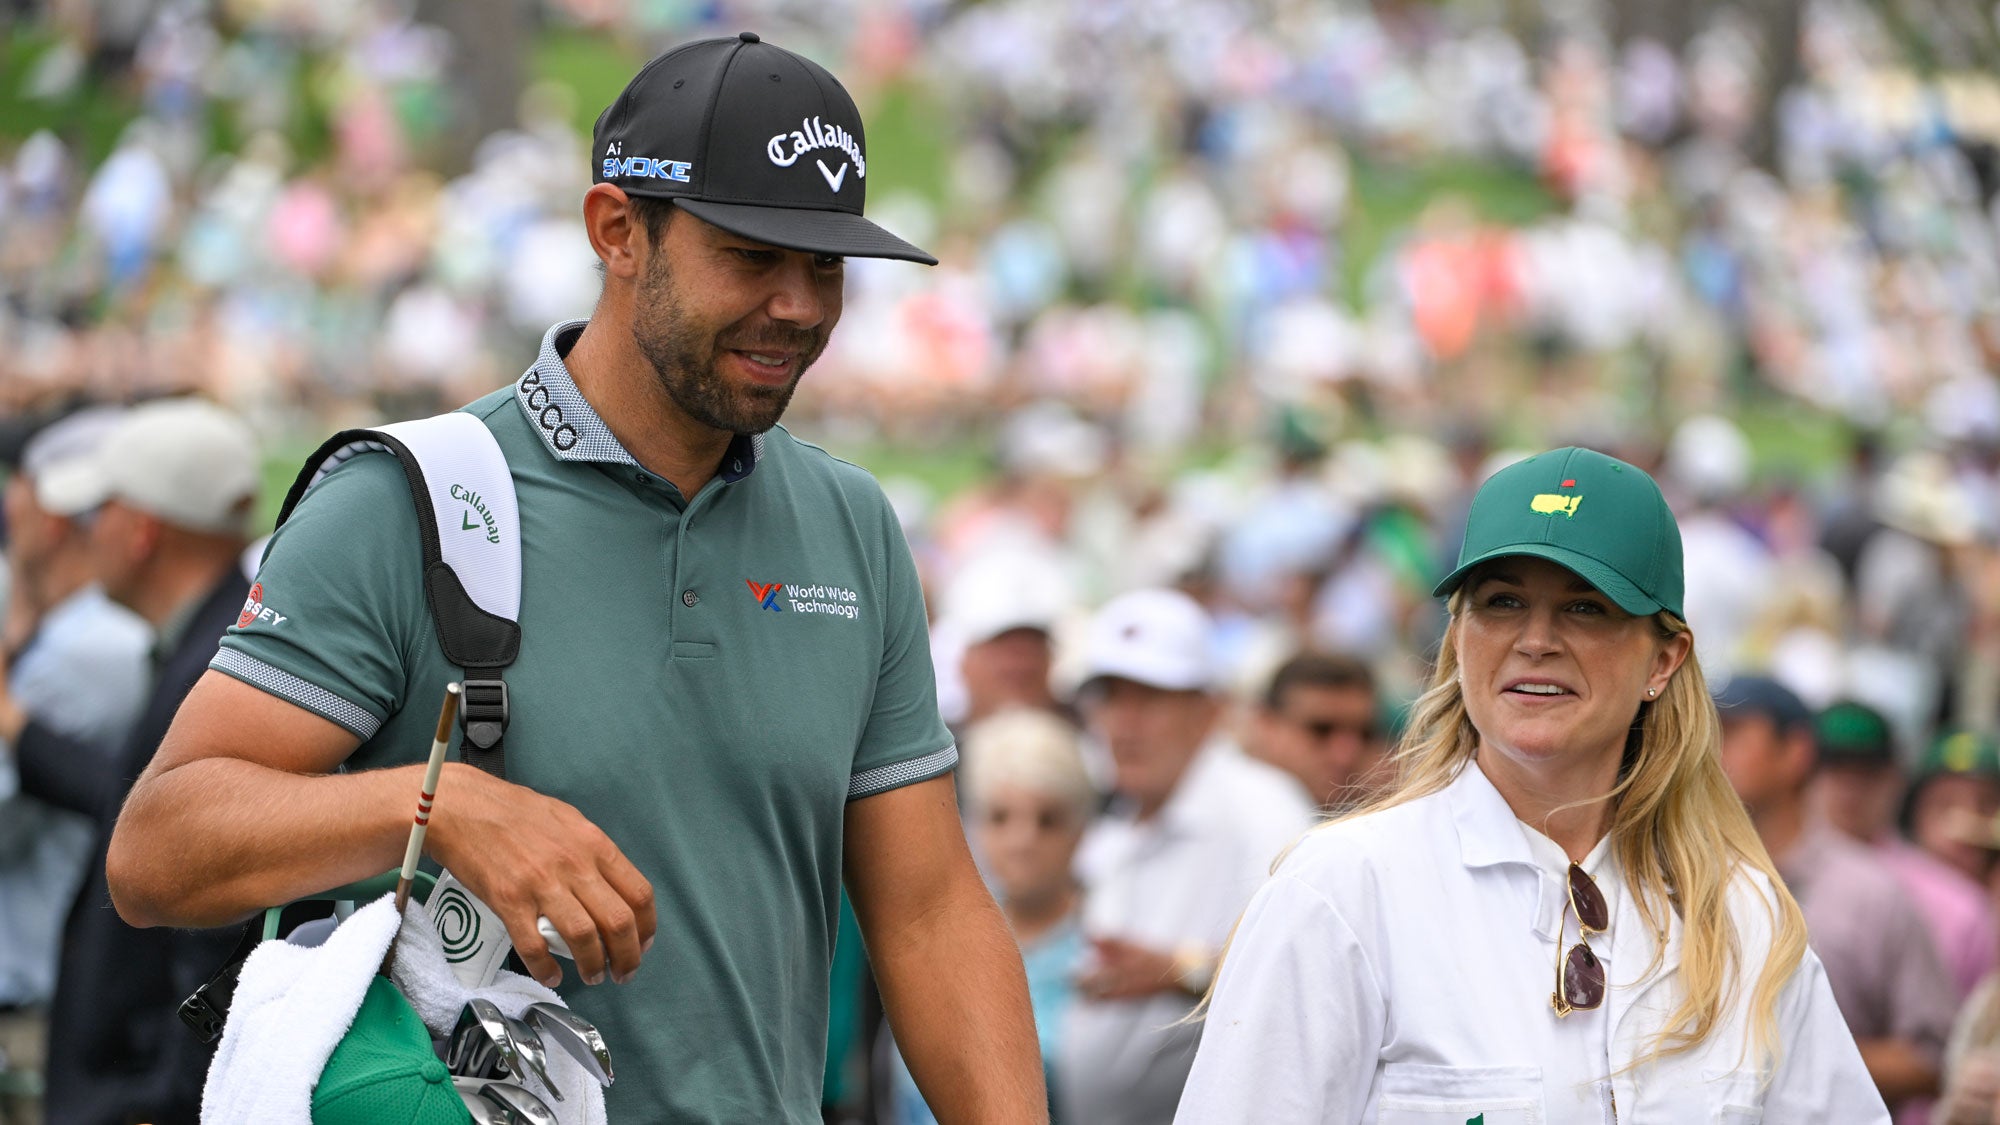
point(1561, 912)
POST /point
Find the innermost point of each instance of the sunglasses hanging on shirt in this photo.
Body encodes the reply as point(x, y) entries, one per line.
point(1579, 974)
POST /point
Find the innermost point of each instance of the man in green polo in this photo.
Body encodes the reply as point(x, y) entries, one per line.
point(723, 700)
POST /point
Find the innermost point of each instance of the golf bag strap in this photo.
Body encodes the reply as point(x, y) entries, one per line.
point(469, 529)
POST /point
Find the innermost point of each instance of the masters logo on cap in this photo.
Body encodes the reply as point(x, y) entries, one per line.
point(1624, 541)
point(755, 139)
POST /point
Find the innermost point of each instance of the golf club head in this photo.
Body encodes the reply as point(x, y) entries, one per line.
point(470, 1049)
point(574, 1034)
point(483, 1111)
point(520, 1102)
point(494, 1026)
point(528, 1044)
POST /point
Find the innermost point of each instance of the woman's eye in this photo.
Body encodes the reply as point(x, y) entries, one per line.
point(1503, 601)
point(1587, 608)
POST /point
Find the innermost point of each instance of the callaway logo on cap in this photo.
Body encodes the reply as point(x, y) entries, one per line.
point(752, 138)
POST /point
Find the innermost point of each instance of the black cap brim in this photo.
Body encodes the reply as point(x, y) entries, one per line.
point(803, 228)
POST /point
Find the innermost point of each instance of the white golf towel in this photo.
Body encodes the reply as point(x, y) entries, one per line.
point(293, 1004)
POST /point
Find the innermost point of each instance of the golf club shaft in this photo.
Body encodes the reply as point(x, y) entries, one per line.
point(446, 716)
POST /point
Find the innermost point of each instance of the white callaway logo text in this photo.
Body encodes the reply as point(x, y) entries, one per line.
point(785, 149)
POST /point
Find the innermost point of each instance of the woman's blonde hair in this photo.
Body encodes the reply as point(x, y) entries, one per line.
point(1677, 829)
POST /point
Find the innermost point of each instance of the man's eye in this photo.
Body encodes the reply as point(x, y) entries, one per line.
point(828, 261)
point(758, 257)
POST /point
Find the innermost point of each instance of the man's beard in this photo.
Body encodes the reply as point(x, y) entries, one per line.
point(685, 358)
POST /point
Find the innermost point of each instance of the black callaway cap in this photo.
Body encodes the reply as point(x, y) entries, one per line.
point(757, 140)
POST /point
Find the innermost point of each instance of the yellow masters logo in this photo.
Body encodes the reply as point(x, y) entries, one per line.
point(1961, 752)
point(1549, 503)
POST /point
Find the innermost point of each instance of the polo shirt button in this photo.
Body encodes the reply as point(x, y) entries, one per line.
point(689, 598)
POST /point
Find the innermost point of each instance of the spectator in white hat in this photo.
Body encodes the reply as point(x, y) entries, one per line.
point(1193, 831)
point(78, 662)
point(166, 494)
point(1003, 611)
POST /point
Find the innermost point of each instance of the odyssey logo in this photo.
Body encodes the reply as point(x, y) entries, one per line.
point(254, 610)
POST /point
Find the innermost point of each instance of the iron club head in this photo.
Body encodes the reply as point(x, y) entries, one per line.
point(519, 1101)
point(494, 1029)
point(470, 1050)
point(528, 1044)
point(483, 1111)
point(574, 1034)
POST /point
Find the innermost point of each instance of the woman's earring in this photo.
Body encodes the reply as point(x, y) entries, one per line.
point(1651, 692)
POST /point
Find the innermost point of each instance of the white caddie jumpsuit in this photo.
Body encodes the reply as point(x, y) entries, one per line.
point(1398, 968)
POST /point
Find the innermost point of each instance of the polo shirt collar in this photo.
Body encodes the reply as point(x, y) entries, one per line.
point(1489, 834)
point(570, 428)
point(1488, 831)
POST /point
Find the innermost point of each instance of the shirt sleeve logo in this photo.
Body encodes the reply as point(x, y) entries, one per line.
point(254, 610)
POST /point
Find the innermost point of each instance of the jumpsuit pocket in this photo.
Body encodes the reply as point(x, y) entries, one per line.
point(1420, 1094)
point(1735, 1097)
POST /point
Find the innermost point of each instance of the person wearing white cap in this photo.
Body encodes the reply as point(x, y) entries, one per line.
point(999, 621)
point(78, 661)
point(1193, 831)
point(166, 493)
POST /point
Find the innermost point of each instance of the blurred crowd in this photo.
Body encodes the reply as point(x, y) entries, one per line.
point(1162, 233)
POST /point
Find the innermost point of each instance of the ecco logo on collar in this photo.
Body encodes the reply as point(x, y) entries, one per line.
point(547, 414)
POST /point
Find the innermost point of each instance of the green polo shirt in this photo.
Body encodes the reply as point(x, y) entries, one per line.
point(710, 681)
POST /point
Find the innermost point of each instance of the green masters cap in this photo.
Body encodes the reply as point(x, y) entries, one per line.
point(1580, 509)
point(1853, 733)
point(383, 1071)
point(1962, 752)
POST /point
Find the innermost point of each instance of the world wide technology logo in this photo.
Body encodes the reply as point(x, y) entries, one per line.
point(766, 594)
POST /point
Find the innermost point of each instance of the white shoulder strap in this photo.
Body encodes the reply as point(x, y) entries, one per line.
point(471, 493)
point(472, 502)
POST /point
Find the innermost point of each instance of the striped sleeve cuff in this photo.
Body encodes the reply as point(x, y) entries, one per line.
point(292, 689)
point(881, 779)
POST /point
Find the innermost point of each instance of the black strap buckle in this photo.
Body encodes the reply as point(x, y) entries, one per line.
point(482, 712)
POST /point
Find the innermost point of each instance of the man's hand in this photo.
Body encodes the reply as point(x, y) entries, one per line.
point(240, 809)
point(1123, 970)
point(526, 855)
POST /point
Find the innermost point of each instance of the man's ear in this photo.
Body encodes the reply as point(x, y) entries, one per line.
point(615, 232)
point(1801, 755)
